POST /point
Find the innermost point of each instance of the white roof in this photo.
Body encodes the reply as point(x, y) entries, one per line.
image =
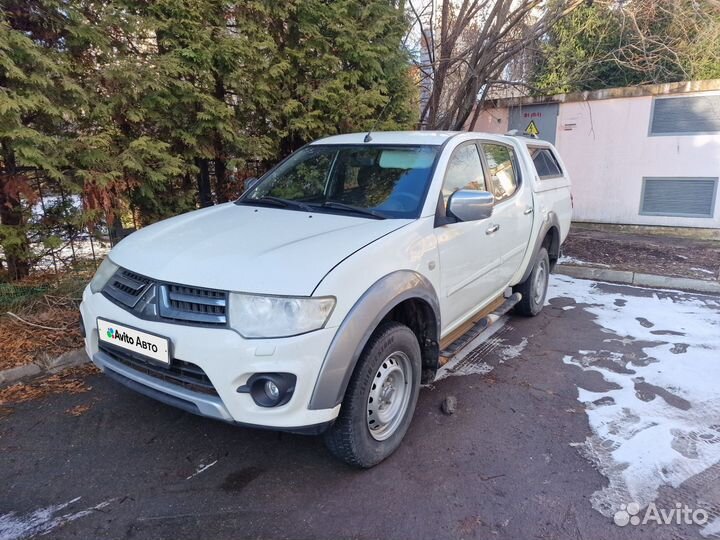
point(424, 137)
point(391, 137)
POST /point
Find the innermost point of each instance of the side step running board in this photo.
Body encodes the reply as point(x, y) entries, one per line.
point(477, 326)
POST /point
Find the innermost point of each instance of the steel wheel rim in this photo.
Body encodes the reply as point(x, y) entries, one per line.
point(389, 396)
point(541, 277)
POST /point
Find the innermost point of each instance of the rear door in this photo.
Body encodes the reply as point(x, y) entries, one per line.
point(512, 216)
point(469, 255)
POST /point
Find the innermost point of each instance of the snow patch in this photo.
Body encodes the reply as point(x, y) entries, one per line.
point(509, 352)
point(43, 520)
point(659, 423)
point(469, 360)
point(703, 270)
point(712, 529)
point(201, 468)
point(564, 259)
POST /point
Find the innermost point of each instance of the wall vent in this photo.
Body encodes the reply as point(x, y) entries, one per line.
point(683, 197)
point(688, 115)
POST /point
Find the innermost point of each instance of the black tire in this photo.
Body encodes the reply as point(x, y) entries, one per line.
point(534, 288)
point(350, 438)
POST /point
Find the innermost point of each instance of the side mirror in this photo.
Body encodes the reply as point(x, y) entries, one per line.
point(251, 183)
point(466, 205)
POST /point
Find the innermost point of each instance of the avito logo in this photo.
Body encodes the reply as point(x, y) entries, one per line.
point(122, 336)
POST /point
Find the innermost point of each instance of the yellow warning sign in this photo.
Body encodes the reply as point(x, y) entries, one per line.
point(532, 129)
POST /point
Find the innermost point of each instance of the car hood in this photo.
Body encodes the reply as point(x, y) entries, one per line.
point(248, 248)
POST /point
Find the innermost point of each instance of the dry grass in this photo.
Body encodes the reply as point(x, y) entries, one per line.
point(55, 307)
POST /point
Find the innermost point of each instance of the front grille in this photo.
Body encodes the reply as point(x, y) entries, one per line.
point(127, 287)
point(149, 299)
point(179, 372)
point(192, 304)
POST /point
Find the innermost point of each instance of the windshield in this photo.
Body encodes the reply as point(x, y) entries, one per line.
point(384, 181)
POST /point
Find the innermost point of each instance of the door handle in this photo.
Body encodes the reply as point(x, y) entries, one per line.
point(528, 210)
point(492, 229)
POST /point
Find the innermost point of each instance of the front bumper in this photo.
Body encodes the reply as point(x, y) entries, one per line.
point(228, 360)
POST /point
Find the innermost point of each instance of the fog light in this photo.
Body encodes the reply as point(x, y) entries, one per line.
point(272, 391)
point(269, 389)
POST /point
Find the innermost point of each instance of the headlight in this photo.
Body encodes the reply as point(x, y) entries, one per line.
point(257, 316)
point(104, 272)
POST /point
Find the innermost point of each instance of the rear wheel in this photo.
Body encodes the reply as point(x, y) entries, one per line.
point(534, 288)
point(380, 399)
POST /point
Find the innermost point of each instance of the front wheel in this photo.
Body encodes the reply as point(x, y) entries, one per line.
point(534, 288)
point(380, 398)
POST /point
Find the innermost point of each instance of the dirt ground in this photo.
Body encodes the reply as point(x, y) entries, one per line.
point(651, 254)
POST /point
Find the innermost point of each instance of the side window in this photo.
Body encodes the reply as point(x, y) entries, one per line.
point(545, 162)
point(464, 171)
point(501, 168)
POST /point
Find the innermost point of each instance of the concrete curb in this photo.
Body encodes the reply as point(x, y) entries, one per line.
point(72, 358)
point(639, 279)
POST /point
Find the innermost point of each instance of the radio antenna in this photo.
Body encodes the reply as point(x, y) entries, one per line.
point(368, 138)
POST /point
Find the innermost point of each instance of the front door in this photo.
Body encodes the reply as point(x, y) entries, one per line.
point(469, 254)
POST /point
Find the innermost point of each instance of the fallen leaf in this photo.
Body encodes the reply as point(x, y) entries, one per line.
point(71, 381)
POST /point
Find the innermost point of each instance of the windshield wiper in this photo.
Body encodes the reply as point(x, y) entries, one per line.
point(287, 203)
point(350, 208)
point(282, 203)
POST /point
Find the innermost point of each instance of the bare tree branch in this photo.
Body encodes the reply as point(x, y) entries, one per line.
point(479, 40)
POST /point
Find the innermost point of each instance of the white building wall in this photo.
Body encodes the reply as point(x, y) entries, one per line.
point(607, 150)
point(603, 137)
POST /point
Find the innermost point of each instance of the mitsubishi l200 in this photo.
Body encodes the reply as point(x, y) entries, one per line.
point(321, 299)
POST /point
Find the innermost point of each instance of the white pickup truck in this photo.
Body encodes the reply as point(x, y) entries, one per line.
point(322, 298)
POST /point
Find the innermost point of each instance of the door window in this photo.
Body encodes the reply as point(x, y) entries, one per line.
point(464, 171)
point(503, 177)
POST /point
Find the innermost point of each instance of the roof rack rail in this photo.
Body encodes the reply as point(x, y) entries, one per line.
point(517, 133)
